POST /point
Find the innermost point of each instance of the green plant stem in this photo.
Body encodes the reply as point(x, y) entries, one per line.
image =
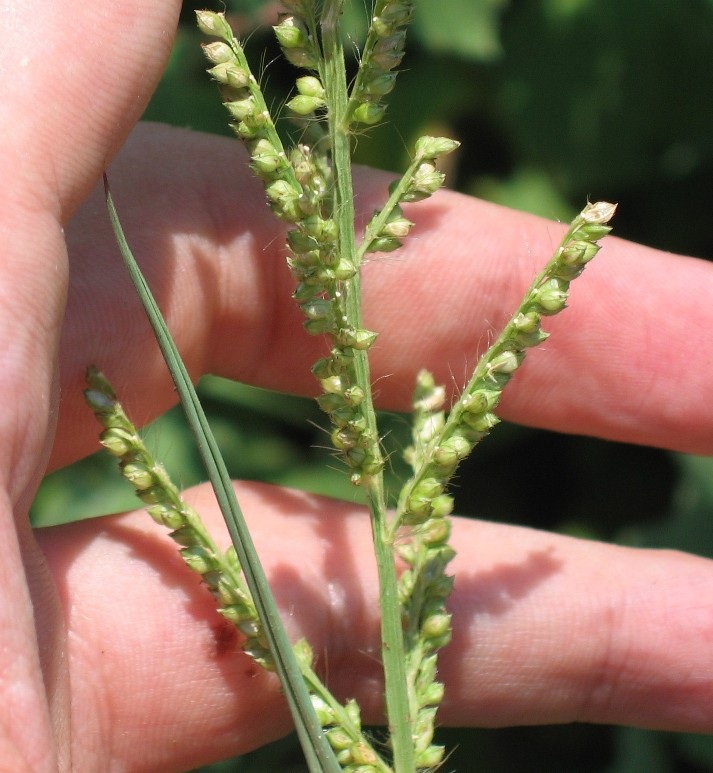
point(393, 654)
point(379, 220)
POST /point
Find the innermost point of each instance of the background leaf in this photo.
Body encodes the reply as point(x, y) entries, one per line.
point(460, 28)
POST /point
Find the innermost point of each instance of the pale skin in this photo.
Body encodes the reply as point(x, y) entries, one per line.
point(124, 665)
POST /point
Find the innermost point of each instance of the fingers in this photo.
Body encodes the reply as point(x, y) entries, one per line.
point(73, 86)
point(554, 629)
point(65, 123)
point(75, 76)
point(621, 362)
point(546, 629)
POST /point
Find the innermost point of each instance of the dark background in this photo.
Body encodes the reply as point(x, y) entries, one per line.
point(555, 102)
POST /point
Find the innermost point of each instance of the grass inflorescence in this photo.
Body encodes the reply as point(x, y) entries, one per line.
point(309, 187)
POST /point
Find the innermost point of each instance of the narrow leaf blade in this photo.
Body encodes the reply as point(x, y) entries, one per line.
point(318, 753)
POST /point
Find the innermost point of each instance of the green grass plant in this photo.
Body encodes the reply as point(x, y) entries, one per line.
point(308, 185)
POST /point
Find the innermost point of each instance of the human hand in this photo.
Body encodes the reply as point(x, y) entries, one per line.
point(138, 672)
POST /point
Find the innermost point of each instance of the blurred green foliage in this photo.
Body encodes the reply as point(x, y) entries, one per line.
point(555, 101)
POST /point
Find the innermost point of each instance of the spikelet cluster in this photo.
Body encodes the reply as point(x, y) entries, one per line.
point(441, 442)
point(472, 417)
point(343, 396)
point(220, 571)
point(383, 52)
point(299, 188)
point(250, 118)
point(343, 729)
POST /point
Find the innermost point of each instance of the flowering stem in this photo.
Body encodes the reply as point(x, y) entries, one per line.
point(393, 654)
point(471, 418)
